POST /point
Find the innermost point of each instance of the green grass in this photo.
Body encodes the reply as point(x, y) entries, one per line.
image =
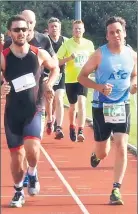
point(133, 128)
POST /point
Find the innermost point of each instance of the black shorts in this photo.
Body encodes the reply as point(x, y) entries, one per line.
point(73, 90)
point(32, 129)
point(60, 83)
point(102, 130)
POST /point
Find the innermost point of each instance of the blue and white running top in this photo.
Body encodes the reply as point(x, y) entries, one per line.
point(115, 69)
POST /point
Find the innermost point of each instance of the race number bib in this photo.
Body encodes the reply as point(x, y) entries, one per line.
point(58, 80)
point(114, 113)
point(81, 59)
point(24, 82)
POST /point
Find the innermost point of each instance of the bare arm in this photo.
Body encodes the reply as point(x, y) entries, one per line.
point(5, 87)
point(67, 59)
point(133, 87)
point(90, 66)
point(51, 63)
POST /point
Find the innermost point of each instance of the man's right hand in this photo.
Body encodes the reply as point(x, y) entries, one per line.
point(5, 89)
point(106, 89)
point(49, 92)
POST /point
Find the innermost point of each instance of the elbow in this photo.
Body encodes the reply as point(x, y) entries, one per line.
point(79, 78)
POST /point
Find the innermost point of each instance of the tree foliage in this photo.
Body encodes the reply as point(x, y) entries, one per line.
point(94, 15)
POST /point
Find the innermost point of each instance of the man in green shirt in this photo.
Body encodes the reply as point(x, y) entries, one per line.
point(75, 53)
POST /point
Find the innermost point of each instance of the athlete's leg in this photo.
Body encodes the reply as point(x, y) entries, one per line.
point(81, 117)
point(17, 153)
point(82, 94)
point(102, 132)
point(59, 95)
point(32, 133)
point(120, 141)
point(71, 90)
point(121, 133)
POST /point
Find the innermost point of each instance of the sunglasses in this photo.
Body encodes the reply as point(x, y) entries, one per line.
point(18, 29)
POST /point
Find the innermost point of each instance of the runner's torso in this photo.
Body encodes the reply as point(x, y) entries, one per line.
point(23, 75)
point(115, 69)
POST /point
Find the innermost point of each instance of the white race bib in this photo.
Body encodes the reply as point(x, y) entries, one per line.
point(81, 59)
point(114, 113)
point(58, 80)
point(24, 82)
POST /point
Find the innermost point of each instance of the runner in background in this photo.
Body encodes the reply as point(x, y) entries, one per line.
point(54, 33)
point(75, 52)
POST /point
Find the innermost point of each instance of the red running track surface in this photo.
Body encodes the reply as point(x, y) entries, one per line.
point(68, 183)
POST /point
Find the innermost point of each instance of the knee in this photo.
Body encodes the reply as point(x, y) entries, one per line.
point(59, 101)
point(121, 149)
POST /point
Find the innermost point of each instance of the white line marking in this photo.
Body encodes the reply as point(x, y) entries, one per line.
point(71, 191)
point(67, 195)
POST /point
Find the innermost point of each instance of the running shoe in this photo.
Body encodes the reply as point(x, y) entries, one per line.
point(33, 185)
point(50, 126)
point(115, 197)
point(73, 136)
point(18, 200)
point(25, 182)
point(94, 160)
point(80, 137)
point(59, 133)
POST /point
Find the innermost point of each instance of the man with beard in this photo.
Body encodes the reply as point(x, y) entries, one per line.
point(21, 66)
point(42, 42)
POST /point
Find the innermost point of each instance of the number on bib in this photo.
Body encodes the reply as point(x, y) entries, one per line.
point(114, 113)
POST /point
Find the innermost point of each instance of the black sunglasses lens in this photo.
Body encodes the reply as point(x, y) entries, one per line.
point(17, 30)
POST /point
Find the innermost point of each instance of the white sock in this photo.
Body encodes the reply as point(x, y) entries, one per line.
point(19, 185)
point(32, 170)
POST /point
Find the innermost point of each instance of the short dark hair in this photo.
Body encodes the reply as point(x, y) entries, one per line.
point(14, 19)
point(115, 19)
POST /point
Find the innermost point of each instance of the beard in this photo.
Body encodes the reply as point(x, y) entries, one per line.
point(19, 44)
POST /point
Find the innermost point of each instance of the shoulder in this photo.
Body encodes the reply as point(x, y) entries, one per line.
point(65, 38)
point(7, 43)
point(41, 37)
point(134, 53)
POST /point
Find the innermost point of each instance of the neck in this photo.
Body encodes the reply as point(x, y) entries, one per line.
point(115, 48)
point(77, 40)
point(55, 37)
point(20, 51)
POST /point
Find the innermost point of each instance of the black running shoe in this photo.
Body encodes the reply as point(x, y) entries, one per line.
point(73, 136)
point(59, 133)
point(94, 160)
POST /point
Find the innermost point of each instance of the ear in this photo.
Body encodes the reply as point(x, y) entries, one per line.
point(84, 30)
point(125, 33)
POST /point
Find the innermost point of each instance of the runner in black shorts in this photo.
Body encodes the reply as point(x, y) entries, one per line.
point(54, 30)
point(42, 42)
point(75, 52)
point(115, 67)
point(74, 90)
point(21, 66)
